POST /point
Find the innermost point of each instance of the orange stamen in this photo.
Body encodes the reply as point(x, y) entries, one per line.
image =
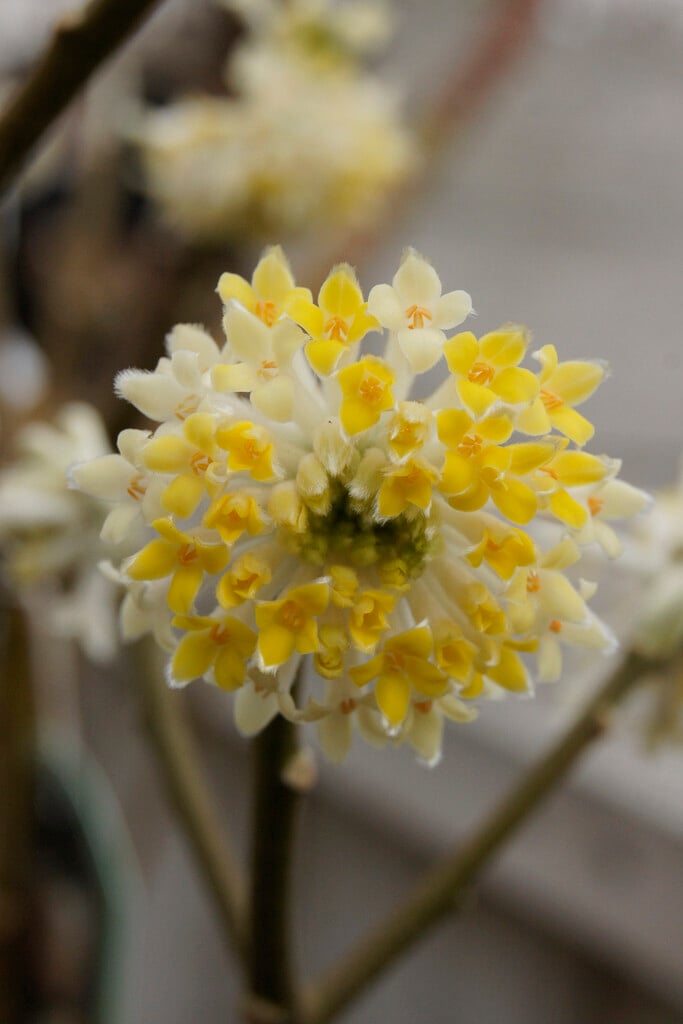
point(219, 633)
point(425, 706)
point(268, 369)
point(336, 328)
point(550, 400)
point(186, 407)
point(595, 505)
point(136, 489)
point(556, 626)
point(348, 705)
point(471, 444)
point(481, 373)
point(265, 311)
point(199, 463)
point(187, 554)
point(292, 615)
point(372, 390)
point(416, 316)
point(533, 583)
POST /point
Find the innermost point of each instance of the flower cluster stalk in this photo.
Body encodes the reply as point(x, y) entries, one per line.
point(269, 967)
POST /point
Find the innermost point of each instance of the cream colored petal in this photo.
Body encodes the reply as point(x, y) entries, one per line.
point(185, 367)
point(451, 309)
point(106, 478)
point(193, 338)
point(118, 523)
point(130, 443)
point(620, 500)
point(287, 339)
point(558, 598)
point(425, 735)
point(384, 305)
point(154, 394)
point(253, 711)
point(549, 659)
point(335, 733)
point(249, 337)
point(416, 281)
point(274, 399)
point(422, 347)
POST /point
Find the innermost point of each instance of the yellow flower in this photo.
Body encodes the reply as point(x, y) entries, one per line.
point(366, 388)
point(476, 468)
point(218, 642)
point(249, 448)
point(405, 485)
point(368, 618)
point(504, 550)
point(233, 515)
point(289, 624)
point(271, 290)
point(191, 457)
point(562, 386)
point(243, 580)
point(402, 665)
point(338, 321)
point(487, 370)
point(182, 556)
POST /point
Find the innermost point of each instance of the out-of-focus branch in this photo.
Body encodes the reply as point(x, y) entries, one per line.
point(16, 812)
point(191, 800)
point(82, 41)
point(441, 890)
point(502, 43)
point(464, 91)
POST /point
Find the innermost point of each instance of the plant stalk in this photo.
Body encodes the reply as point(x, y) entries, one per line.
point(272, 993)
point(441, 890)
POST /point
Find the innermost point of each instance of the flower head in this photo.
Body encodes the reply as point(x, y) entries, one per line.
point(336, 520)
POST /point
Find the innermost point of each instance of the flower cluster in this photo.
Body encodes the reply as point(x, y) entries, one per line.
point(306, 138)
point(303, 505)
point(50, 542)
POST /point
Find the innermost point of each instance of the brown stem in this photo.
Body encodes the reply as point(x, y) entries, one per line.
point(16, 814)
point(191, 800)
point(440, 892)
point(272, 995)
point(82, 41)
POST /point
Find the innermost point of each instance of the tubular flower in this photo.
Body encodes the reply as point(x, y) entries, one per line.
point(389, 543)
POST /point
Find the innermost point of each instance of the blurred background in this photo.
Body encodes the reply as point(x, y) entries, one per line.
point(541, 170)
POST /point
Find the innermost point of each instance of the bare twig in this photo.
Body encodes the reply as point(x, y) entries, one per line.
point(81, 42)
point(441, 890)
point(191, 800)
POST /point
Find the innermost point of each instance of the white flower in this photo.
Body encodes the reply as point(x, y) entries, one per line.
point(50, 535)
point(416, 311)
